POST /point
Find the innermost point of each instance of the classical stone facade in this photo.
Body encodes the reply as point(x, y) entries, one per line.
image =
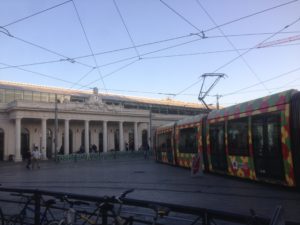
point(109, 122)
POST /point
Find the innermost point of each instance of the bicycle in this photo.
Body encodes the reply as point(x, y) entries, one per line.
point(22, 216)
point(103, 208)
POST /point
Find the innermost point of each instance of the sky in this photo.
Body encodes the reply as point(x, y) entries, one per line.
point(153, 48)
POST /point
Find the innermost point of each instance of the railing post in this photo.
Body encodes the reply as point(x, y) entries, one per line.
point(206, 219)
point(37, 211)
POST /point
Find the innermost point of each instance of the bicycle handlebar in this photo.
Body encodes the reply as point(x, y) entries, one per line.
point(123, 195)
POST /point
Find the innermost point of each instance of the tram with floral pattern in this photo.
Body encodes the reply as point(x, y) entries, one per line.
point(257, 140)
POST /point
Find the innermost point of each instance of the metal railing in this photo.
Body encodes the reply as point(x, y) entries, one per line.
point(139, 211)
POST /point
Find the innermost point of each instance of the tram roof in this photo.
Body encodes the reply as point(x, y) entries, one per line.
point(257, 104)
point(190, 120)
point(166, 126)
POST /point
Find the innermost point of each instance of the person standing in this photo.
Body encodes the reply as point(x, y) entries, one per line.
point(36, 155)
point(28, 157)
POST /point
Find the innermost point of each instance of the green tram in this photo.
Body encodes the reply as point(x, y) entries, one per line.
point(257, 140)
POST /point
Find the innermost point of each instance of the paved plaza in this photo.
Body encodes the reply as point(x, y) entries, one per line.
point(155, 182)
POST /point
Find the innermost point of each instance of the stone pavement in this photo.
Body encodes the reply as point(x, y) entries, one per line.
point(155, 182)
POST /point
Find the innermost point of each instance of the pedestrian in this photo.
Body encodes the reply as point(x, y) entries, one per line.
point(146, 150)
point(36, 155)
point(28, 157)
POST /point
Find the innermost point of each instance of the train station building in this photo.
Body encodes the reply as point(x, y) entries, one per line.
point(85, 118)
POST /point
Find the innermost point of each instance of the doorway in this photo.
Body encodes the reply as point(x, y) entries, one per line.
point(25, 145)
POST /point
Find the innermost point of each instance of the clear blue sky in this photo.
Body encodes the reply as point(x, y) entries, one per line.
point(165, 71)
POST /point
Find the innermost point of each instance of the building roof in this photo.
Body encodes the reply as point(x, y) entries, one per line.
point(105, 96)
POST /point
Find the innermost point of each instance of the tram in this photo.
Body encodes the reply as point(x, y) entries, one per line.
point(257, 140)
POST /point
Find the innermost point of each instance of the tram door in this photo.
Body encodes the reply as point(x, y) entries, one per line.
point(267, 146)
point(217, 150)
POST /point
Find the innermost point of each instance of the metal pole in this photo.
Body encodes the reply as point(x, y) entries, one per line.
point(56, 129)
point(218, 97)
point(37, 211)
point(150, 130)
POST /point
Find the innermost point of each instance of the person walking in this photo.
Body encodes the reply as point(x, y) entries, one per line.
point(36, 155)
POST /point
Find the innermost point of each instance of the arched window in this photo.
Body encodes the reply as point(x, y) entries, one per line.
point(1, 144)
point(25, 141)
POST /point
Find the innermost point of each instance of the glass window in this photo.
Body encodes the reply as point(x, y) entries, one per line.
point(2, 95)
point(28, 95)
point(238, 137)
point(164, 141)
point(258, 136)
point(188, 140)
point(19, 94)
point(44, 97)
point(51, 97)
point(36, 97)
point(217, 146)
point(9, 95)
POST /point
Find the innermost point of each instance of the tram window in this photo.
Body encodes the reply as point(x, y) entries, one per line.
point(188, 140)
point(258, 136)
point(164, 141)
point(274, 135)
point(217, 138)
point(238, 137)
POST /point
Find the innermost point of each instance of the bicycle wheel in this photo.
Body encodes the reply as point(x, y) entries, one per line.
point(13, 220)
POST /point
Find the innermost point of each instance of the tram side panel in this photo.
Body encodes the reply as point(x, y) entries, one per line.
point(165, 146)
point(252, 145)
point(188, 143)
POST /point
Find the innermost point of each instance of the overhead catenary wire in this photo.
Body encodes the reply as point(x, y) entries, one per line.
point(39, 74)
point(89, 44)
point(169, 39)
point(165, 40)
point(244, 53)
point(110, 74)
point(126, 28)
point(84, 76)
point(37, 13)
point(66, 58)
point(195, 34)
point(267, 80)
point(233, 46)
point(166, 56)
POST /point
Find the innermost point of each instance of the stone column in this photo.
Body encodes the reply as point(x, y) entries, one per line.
point(44, 138)
point(104, 136)
point(86, 136)
point(66, 138)
point(121, 137)
point(136, 144)
point(18, 140)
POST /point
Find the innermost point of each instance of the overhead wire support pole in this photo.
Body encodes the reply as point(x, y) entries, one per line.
point(56, 128)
